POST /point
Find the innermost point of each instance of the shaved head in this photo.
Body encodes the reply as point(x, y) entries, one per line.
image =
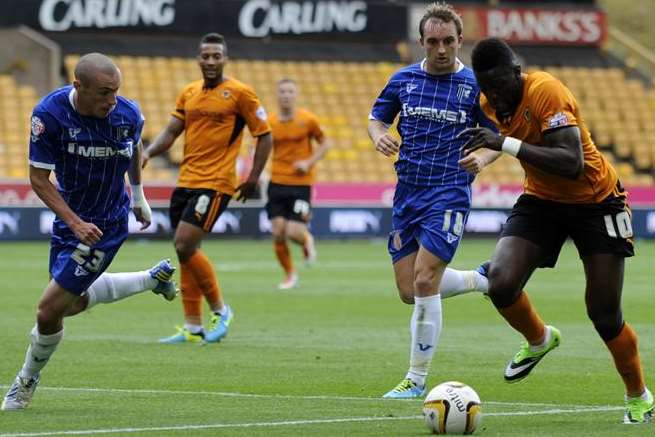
point(90, 65)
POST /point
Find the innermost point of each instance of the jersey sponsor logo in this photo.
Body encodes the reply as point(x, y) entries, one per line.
point(463, 91)
point(259, 18)
point(38, 127)
point(99, 152)
point(61, 15)
point(434, 114)
point(261, 113)
point(557, 120)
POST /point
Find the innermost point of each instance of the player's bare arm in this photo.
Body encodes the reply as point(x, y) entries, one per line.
point(264, 146)
point(139, 203)
point(383, 141)
point(560, 154)
point(87, 233)
point(164, 140)
point(304, 165)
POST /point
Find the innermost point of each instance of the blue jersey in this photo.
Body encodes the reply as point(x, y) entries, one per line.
point(89, 156)
point(433, 111)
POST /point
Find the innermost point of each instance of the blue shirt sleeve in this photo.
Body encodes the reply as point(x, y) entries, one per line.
point(138, 130)
point(387, 105)
point(45, 132)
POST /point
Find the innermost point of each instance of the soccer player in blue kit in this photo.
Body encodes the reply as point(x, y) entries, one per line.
point(435, 99)
point(90, 137)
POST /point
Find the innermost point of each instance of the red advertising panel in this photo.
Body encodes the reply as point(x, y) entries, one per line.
point(536, 25)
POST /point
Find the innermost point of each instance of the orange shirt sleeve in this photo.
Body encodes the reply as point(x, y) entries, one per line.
point(554, 105)
point(253, 112)
point(179, 111)
point(315, 130)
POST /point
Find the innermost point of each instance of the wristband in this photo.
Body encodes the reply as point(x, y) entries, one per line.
point(137, 194)
point(511, 145)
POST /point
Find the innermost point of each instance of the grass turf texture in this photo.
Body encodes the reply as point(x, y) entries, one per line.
point(313, 360)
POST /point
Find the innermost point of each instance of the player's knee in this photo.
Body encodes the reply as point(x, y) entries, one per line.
point(278, 234)
point(47, 318)
point(503, 291)
point(406, 296)
point(184, 250)
point(424, 284)
point(607, 322)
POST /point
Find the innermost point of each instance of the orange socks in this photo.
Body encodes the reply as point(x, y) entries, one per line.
point(284, 256)
point(204, 276)
point(191, 294)
point(626, 359)
point(522, 317)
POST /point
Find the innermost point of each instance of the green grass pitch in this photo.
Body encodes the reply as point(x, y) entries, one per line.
point(315, 360)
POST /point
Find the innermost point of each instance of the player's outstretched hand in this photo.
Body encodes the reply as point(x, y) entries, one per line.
point(387, 145)
point(479, 137)
point(246, 190)
point(86, 232)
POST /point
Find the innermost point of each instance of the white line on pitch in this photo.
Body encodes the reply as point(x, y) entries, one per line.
point(281, 396)
point(290, 423)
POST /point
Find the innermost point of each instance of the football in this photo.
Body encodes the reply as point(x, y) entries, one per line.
point(452, 408)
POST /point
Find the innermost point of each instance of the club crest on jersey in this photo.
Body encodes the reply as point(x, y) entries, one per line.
point(73, 131)
point(463, 91)
point(557, 120)
point(226, 94)
point(37, 126)
point(410, 87)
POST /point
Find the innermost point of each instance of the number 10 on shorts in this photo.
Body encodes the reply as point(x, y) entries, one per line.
point(623, 227)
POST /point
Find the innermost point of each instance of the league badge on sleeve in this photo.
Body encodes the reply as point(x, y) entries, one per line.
point(38, 127)
point(261, 113)
point(558, 120)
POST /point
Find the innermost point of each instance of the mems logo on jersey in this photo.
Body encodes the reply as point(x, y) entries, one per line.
point(123, 147)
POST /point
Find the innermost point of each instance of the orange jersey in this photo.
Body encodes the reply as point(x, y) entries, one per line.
point(292, 141)
point(548, 104)
point(214, 119)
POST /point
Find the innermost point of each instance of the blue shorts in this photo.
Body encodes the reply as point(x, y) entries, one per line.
point(75, 265)
point(433, 217)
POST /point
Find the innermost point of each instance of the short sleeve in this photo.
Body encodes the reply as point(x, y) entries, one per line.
point(315, 130)
point(554, 106)
point(138, 128)
point(253, 112)
point(387, 105)
point(179, 111)
point(44, 134)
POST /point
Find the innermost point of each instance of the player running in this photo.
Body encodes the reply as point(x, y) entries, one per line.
point(90, 137)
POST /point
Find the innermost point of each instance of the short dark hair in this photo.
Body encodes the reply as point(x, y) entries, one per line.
point(214, 38)
point(285, 80)
point(443, 12)
point(490, 53)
